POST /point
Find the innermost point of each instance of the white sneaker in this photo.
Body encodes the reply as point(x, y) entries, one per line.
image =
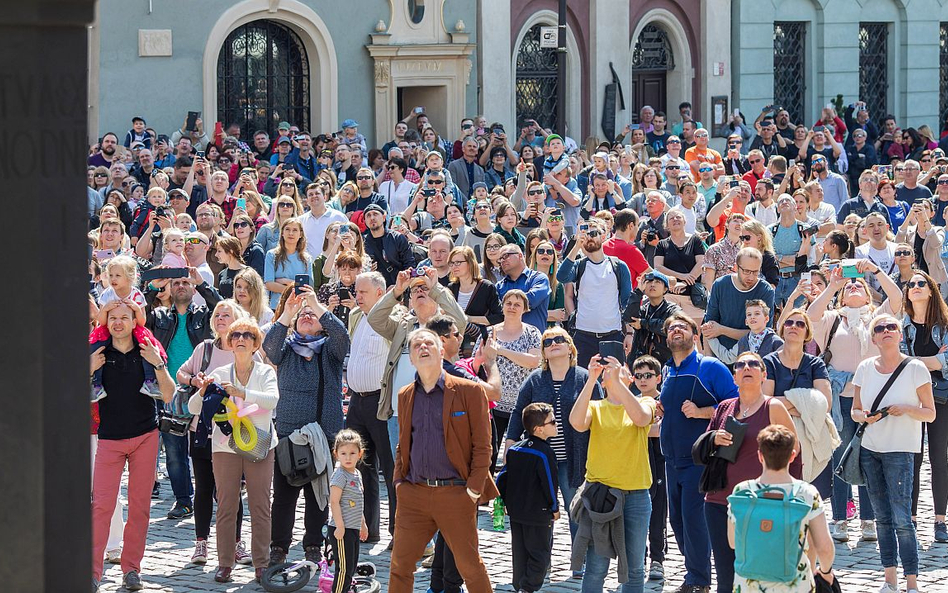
point(888, 588)
point(868, 531)
point(839, 531)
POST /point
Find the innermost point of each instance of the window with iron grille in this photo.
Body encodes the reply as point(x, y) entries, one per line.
point(790, 69)
point(536, 81)
point(874, 68)
point(263, 78)
point(943, 74)
point(652, 50)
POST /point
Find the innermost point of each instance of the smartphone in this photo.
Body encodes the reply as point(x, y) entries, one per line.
point(806, 276)
point(886, 170)
point(288, 168)
point(419, 110)
point(737, 111)
point(791, 162)
point(498, 131)
point(242, 203)
point(103, 255)
point(850, 272)
point(818, 128)
point(344, 294)
point(192, 121)
point(556, 212)
point(584, 227)
point(734, 183)
point(428, 193)
point(161, 273)
point(344, 229)
point(199, 154)
point(614, 349)
point(634, 126)
point(301, 280)
point(397, 220)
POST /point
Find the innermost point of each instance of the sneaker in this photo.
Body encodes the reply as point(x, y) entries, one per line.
point(429, 550)
point(685, 588)
point(656, 572)
point(868, 531)
point(223, 574)
point(114, 556)
point(132, 581)
point(180, 511)
point(941, 532)
point(241, 555)
point(839, 531)
point(151, 389)
point(427, 561)
point(850, 509)
point(277, 556)
point(313, 554)
point(98, 392)
point(156, 492)
point(888, 588)
point(200, 552)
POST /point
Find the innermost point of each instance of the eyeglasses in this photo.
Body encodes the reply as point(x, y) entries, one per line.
point(363, 177)
point(482, 207)
point(126, 183)
point(886, 327)
point(647, 375)
point(673, 142)
point(311, 314)
point(747, 271)
point(194, 240)
point(205, 214)
point(420, 288)
point(903, 253)
point(702, 169)
point(535, 192)
point(284, 205)
point(454, 264)
point(593, 233)
point(547, 342)
point(550, 423)
point(504, 256)
point(750, 364)
point(703, 135)
point(436, 182)
point(916, 283)
point(795, 323)
point(241, 336)
point(557, 218)
point(755, 161)
point(745, 237)
point(287, 184)
point(101, 174)
point(672, 168)
point(545, 251)
point(392, 167)
point(492, 247)
point(467, 126)
point(943, 182)
point(241, 225)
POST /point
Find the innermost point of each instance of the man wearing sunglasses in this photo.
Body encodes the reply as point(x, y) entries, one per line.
point(533, 283)
point(602, 294)
point(482, 227)
point(758, 167)
point(694, 385)
point(700, 153)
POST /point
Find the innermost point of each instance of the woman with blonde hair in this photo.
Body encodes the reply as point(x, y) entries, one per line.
point(348, 193)
point(288, 260)
point(251, 294)
point(256, 209)
point(756, 235)
point(286, 187)
point(284, 208)
point(545, 259)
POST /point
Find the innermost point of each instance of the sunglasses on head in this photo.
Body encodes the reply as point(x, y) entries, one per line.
point(886, 327)
point(241, 336)
point(916, 284)
point(547, 342)
point(642, 376)
point(795, 323)
point(750, 364)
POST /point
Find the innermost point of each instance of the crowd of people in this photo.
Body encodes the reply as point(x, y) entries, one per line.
point(628, 332)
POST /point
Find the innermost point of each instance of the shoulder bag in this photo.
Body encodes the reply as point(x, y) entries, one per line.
point(849, 469)
point(179, 402)
point(826, 355)
point(254, 442)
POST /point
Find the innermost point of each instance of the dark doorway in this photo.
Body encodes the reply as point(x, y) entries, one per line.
point(536, 81)
point(648, 88)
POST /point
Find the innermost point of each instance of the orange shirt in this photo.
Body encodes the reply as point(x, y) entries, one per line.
point(708, 155)
point(720, 229)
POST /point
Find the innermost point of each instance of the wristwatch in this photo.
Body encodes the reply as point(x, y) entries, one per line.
point(161, 367)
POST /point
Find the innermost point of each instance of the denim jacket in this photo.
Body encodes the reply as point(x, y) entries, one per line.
point(939, 336)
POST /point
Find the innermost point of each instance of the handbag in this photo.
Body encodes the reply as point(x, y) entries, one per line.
point(940, 390)
point(849, 469)
point(182, 393)
point(699, 295)
point(826, 355)
point(246, 432)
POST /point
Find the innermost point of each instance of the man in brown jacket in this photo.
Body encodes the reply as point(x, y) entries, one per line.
point(441, 467)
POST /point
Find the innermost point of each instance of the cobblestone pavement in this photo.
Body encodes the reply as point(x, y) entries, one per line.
point(166, 565)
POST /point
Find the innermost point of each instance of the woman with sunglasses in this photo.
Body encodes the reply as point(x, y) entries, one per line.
point(286, 186)
point(891, 441)
point(917, 230)
point(251, 251)
point(617, 457)
point(809, 290)
point(545, 259)
point(397, 190)
point(849, 325)
point(904, 264)
point(284, 208)
point(533, 239)
point(925, 328)
point(490, 266)
point(476, 295)
point(757, 410)
point(681, 256)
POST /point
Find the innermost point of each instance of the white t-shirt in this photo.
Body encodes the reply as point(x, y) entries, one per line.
point(765, 215)
point(205, 271)
point(884, 258)
point(398, 196)
point(892, 434)
point(598, 309)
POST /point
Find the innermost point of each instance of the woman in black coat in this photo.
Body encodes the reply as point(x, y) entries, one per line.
point(477, 296)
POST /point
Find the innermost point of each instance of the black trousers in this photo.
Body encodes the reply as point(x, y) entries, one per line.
point(363, 419)
point(531, 546)
point(658, 491)
point(500, 421)
point(283, 513)
point(444, 572)
point(345, 554)
point(205, 492)
point(937, 457)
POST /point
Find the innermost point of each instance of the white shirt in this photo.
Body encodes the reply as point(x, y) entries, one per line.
point(315, 229)
point(205, 271)
point(367, 358)
point(892, 433)
point(884, 258)
point(598, 311)
point(399, 196)
point(765, 215)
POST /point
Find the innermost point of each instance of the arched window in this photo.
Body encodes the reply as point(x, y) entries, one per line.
point(263, 78)
point(536, 81)
point(652, 59)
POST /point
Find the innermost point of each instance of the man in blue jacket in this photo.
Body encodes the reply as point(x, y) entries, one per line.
point(692, 387)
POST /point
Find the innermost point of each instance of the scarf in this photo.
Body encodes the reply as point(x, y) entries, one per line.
point(306, 346)
point(514, 237)
point(857, 322)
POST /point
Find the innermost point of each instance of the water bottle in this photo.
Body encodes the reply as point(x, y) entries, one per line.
point(498, 514)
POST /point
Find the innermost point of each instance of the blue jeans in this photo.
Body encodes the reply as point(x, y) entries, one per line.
point(568, 493)
point(841, 490)
point(889, 480)
point(686, 515)
point(785, 287)
point(393, 433)
point(179, 467)
point(636, 514)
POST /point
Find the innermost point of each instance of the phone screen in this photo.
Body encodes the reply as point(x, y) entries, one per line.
point(242, 203)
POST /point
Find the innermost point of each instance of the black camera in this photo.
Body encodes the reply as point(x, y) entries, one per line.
point(172, 425)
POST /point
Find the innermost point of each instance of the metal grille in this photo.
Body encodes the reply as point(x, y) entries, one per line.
point(943, 74)
point(874, 68)
point(652, 50)
point(536, 81)
point(790, 68)
point(263, 78)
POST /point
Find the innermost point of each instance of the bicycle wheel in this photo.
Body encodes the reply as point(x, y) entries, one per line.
point(283, 578)
point(365, 585)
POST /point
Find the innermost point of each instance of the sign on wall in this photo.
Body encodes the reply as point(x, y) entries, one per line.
point(548, 37)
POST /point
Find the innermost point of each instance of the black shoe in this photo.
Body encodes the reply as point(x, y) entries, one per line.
point(277, 556)
point(313, 554)
point(685, 588)
point(180, 511)
point(941, 532)
point(373, 539)
point(156, 491)
point(391, 545)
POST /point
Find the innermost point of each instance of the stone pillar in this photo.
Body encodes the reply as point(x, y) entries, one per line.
point(498, 101)
point(609, 42)
point(44, 505)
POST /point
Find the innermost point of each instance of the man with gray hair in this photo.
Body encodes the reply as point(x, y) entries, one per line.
point(652, 227)
point(367, 358)
point(465, 171)
point(909, 191)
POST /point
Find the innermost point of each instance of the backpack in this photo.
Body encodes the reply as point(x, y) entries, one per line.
point(580, 270)
point(767, 533)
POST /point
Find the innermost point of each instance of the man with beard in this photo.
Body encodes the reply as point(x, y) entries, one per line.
point(878, 249)
point(390, 251)
point(600, 282)
point(693, 386)
point(146, 165)
point(106, 153)
point(303, 159)
point(784, 127)
point(723, 320)
point(365, 179)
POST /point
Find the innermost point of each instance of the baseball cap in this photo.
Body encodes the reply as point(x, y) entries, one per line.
point(284, 139)
point(478, 184)
point(283, 125)
point(655, 275)
point(552, 137)
point(373, 208)
point(601, 155)
point(560, 166)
